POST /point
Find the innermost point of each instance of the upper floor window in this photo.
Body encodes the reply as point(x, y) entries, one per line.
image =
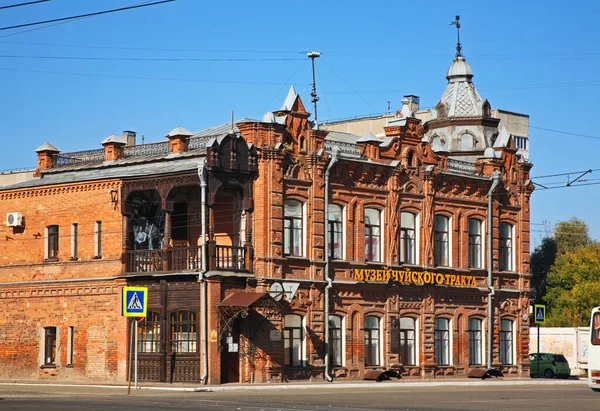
point(334, 228)
point(52, 242)
point(407, 238)
point(520, 142)
point(335, 341)
point(467, 142)
point(372, 234)
point(442, 341)
point(292, 228)
point(441, 240)
point(506, 246)
point(98, 239)
point(293, 340)
point(475, 243)
point(74, 241)
point(506, 342)
point(372, 341)
point(183, 331)
point(475, 345)
point(408, 346)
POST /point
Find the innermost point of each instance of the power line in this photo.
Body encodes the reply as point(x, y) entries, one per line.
point(352, 88)
point(22, 4)
point(146, 59)
point(566, 132)
point(97, 13)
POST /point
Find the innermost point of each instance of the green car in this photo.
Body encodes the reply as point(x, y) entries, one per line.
point(550, 365)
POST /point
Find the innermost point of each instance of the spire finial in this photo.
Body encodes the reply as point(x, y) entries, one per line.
point(458, 46)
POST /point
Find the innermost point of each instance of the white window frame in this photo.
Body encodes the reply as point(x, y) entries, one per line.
point(98, 239)
point(381, 234)
point(512, 257)
point(450, 222)
point(70, 346)
point(417, 235)
point(343, 232)
point(417, 341)
point(450, 342)
point(343, 339)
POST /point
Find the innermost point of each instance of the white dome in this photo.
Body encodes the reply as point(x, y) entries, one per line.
point(459, 69)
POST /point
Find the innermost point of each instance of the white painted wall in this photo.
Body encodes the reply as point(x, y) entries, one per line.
point(571, 342)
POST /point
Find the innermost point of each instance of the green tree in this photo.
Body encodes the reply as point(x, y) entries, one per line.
point(571, 234)
point(573, 286)
point(542, 259)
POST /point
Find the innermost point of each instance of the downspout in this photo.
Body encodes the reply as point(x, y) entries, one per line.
point(328, 281)
point(203, 309)
point(492, 292)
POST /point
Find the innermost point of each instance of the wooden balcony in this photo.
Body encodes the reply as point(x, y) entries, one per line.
point(182, 259)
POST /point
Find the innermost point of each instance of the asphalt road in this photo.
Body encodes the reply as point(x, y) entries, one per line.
point(480, 397)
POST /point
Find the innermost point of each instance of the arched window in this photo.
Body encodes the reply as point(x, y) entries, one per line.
point(437, 144)
point(408, 346)
point(334, 227)
point(442, 241)
point(467, 142)
point(293, 340)
point(475, 250)
point(442, 341)
point(372, 234)
point(506, 236)
point(372, 341)
point(183, 331)
point(335, 341)
point(149, 333)
point(292, 228)
point(407, 238)
point(475, 345)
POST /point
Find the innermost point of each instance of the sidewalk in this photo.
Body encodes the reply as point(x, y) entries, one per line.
point(392, 384)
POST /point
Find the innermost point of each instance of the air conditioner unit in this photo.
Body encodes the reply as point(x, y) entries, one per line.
point(14, 219)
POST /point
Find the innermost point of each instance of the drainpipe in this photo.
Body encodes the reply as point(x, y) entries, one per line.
point(329, 284)
point(203, 309)
point(492, 292)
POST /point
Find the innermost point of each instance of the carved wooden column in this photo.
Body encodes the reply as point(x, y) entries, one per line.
point(166, 248)
point(125, 244)
point(211, 244)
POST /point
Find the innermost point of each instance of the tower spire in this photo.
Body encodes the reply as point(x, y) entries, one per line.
point(458, 45)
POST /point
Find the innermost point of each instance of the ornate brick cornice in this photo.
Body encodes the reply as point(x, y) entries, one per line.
point(45, 191)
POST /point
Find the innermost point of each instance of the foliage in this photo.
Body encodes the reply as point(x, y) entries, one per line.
point(571, 234)
point(573, 286)
point(542, 259)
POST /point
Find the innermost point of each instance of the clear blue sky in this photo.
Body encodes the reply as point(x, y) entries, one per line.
point(540, 58)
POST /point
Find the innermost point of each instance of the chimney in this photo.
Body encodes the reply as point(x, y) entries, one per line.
point(178, 140)
point(129, 137)
point(410, 105)
point(47, 155)
point(113, 148)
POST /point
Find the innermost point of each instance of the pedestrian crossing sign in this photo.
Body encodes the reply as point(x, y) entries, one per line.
point(539, 314)
point(135, 301)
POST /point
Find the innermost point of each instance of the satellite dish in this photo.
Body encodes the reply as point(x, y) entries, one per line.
point(276, 291)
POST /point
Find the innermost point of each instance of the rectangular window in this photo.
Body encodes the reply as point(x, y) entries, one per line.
point(292, 228)
point(506, 247)
point(74, 241)
point(595, 329)
point(149, 333)
point(372, 234)
point(183, 331)
point(334, 219)
point(442, 341)
point(52, 242)
point(292, 340)
point(372, 341)
point(441, 240)
point(475, 243)
point(475, 346)
point(335, 341)
point(506, 342)
point(408, 354)
point(98, 239)
point(71, 346)
point(407, 238)
point(50, 346)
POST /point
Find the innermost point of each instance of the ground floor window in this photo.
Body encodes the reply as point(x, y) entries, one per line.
point(335, 341)
point(442, 341)
point(408, 345)
point(183, 331)
point(292, 340)
point(372, 341)
point(506, 341)
point(475, 346)
point(50, 346)
point(149, 333)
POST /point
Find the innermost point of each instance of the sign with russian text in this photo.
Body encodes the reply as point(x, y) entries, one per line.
point(135, 301)
point(413, 277)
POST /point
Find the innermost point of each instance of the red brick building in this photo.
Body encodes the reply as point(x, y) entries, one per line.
point(274, 251)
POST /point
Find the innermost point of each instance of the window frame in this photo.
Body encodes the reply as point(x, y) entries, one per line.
point(149, 327)
point(407, 244)
point(475, 244)
point(476, 354)
point(180, 327)
point(507, 341)
point(335, 229)
point(506, 248)
point(371, 236)
point(52, 242)
point(442, 342)
point(75, 241)
point(441, 256)
point(336, 341)
point(372, 342)
point(50, 346)
point(98, 239)
point(70, 346)
point(293, 228)
point(408, 355)
point(293, 343)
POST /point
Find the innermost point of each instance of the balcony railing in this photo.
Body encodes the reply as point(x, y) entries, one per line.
point(227, 258)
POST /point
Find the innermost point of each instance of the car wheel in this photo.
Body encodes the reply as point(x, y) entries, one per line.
point(548, 373)
point(596, 389)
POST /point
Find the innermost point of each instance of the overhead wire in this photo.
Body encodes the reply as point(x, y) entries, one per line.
point(23, 4)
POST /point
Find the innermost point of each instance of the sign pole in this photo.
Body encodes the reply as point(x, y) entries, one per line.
point(135, 353)
point(130, 351)
point(538, 351)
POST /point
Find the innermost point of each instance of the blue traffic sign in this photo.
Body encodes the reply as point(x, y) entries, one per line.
point(539, 313)
point(135, 301)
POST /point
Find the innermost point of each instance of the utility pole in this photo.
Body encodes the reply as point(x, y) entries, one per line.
point(314, 55)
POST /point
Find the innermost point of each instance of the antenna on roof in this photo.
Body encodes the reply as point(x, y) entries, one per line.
point(231, 129)
point(314, 55)
point(389, 106)
point(458, 46)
